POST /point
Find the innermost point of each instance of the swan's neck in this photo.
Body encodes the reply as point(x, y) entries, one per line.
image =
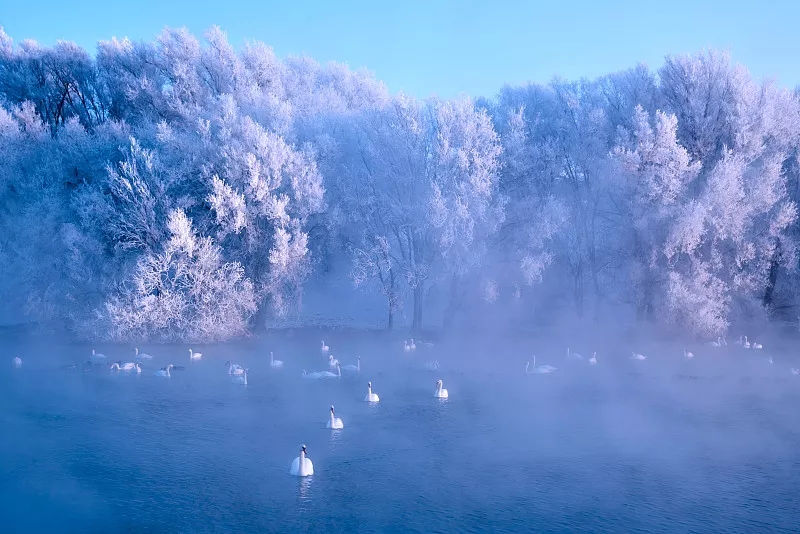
point(358, 364)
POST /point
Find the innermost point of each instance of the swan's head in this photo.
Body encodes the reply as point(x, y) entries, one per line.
point(330, 358)
point(228, 363)
point(170, 366)
point(332, 412)
point(438, 383)
point(369, 385)
point(303, 449)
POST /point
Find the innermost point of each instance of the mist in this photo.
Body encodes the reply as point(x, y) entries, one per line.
point(175, 194)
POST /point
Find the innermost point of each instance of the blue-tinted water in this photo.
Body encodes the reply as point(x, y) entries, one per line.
point(711, 445)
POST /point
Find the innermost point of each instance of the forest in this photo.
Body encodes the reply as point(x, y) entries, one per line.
point(181, 190)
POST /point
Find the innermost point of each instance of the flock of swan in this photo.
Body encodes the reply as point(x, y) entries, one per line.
point(302, 466)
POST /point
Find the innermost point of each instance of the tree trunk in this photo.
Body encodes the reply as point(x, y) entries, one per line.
point(773, 277)
point(416, 324)
point(452, 306)
point(390, 322)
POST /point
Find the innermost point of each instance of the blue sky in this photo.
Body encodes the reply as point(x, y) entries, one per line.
point(447, 47)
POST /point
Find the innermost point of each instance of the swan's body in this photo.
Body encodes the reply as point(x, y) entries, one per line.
point(164, 371)
point(745, 343)
point(17, 361)
point(234, 368)
point(440, 392)
point(432, 366)
point(302, 466)
point(273, 362)
point(129, 366)
point(574, 355)
point(323, 374)
point(637, 356)
point(97, 356)
point(687, 354)
point(544, 369)
point(371, 397)
point(138, 368)
point(593, 359)
point(406, 346)
point(770, 360)
point(717, 343)
point(333, 362)
point(757, 345)
point(412, 345)
point(351, 367)
point(195, 355)
point(142, 355)
point(325, 348)
point(241, 379)
point(334, 422)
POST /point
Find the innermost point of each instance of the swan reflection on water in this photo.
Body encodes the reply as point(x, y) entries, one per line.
point(304, 494)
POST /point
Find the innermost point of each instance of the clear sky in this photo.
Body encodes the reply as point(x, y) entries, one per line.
point(446, 47)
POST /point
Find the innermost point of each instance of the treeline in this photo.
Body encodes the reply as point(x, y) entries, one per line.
point(180, 190)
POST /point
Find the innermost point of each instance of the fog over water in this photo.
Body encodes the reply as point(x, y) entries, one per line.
point(664, 444)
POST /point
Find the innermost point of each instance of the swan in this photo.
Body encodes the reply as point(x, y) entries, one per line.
point(371, 397)
point(138, 368)
point(234, 368)
point(406, 346)
point(432, 366)
point(273, 362)
point(333, 362)
point(323, 374)
point(593, 359)
point(302, 466)
point(142, 355)
point(795, 371)
point(574, 355)
point(638, 356)
point(717, 343)
point(195, 355)
point(440, 392)
point(356, 367)
point(312, 376)
point(757, 345)
point(241, 379)
point(770, 360)
point(544, 369)
point(687, 354)
point(122, 367)
point(334, 423)
point(98, 356)
point(412, 345)
point(325, 348)
point(17, 361)
point(745, 343)
point(164, 371)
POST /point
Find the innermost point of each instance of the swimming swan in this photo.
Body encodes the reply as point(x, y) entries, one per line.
point(302, 466)
point(432, 366)
point(142, 355)
point(334, 422)
point(138, 368)
point(593, 359)
point(371, 397)
point(325, 348)
point(164, 371)
point(757, 345)
point(406, 346)
point(574, 355)
point(638, 356)
point(687, 354)
point(273, 362)
point(333, 362)
point(97, 356)
point(17, 361)
point(322, 374)
point(717, 343)
point(122, 367)
point(544, 369)
point(440, 392)
point(412, 345)
point(234, 368)
point(195, 355)
point(351, 367)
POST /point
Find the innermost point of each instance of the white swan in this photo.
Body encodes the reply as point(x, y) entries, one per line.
point(97, 356)
point(745, 343)
point(432, 366)
point(440, 392)
point(142, 355)
point(593, 359)
point(412, 345)
point(351, 367)
point(333, 362)
point(574, 355)
point(325, 348)
point(273, 362)
point(138, 368)
point(637, 356)
point(241, 379)
point(544, 369)
point(17, 361)
point(323, 374)
point(312, 376)
point(687, 354)
point(129, 366)
point(717, 343)
point(164, 371)
point(757, 345)
point(195, 355)
point(334, 422)
point(371, 397)
point(302, 466)
point(770, 360)
point(234, 368)
point(406, 346)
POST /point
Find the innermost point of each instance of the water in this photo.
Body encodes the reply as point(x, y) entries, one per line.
point(664, 445)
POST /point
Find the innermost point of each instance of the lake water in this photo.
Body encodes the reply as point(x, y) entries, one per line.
point(662, 445)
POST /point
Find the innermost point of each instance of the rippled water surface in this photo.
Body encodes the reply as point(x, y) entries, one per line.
point(663, 445)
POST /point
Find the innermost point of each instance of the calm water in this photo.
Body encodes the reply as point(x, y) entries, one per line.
point(664, 445)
